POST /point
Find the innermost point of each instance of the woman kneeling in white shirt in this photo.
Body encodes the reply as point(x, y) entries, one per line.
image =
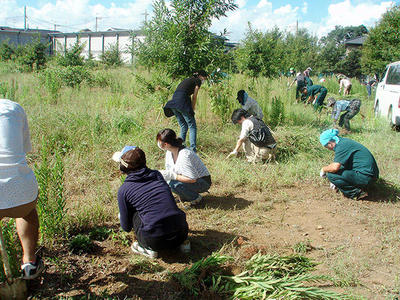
point(184, 171)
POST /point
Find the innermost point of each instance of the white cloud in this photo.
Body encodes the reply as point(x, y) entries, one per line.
point(79, 14)
point(346, 13)
point(304, 9)
point(285, 10)
point(264, 3)
point(73, 15)
point(263, 17)
point(241, 3)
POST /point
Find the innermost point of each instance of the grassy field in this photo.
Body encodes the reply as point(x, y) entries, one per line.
point(280, 208)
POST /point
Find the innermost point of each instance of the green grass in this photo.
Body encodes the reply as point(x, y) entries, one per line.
point(84, 126)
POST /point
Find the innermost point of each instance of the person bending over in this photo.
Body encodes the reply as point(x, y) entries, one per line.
point(184, 171)
point(249, 104)
point(350, 109)
point(345, 84)
point(256, 138)
point(147, 206)
point(183, 105)
point(18, 185)
point(310, 92)
point(353, 167)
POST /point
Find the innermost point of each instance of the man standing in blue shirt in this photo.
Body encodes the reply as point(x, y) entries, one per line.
point(350, 109)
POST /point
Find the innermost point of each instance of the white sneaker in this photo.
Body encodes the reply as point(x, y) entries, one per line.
point(32, 270)
point(185, 247)
point(136, 248)
point(332, 186)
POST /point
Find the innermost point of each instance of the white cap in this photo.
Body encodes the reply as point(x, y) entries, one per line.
point(117, 155)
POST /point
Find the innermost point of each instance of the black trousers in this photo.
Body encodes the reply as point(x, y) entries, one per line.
point(168, 241)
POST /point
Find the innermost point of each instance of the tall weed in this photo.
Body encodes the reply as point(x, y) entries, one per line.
point(51, 200)
point(8, 90)
point(12, 246)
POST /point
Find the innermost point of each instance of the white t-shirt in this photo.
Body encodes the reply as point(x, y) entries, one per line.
point(18, 184)
point(247, 126)
point(253, 108)
point(345, 83)
point(187, 164)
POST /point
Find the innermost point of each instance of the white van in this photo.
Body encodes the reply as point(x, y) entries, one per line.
point(387, 98)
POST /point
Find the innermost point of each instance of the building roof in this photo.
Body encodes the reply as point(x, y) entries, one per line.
point(96, 33)
point(358, 41)
point(11, 29)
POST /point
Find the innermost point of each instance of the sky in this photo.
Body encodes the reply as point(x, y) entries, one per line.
point(318, 16)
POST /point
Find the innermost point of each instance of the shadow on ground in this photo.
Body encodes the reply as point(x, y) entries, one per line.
point(229, 202)
point(383, 191)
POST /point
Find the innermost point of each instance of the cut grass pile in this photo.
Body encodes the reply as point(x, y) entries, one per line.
point(264, 277)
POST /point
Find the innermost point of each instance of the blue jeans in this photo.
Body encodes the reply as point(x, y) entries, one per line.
point(187, 121)
point(189, 191)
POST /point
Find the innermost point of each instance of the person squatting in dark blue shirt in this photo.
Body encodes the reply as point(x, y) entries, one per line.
point(147, 205)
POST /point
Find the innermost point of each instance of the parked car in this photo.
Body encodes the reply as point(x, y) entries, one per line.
point(387, 98)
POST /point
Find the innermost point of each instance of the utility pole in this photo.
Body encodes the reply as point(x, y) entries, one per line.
point(24, 17)
point(145, 16)
point(55, 27)
point(97, 18)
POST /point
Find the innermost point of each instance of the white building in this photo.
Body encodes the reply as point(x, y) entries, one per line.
point(98, 42)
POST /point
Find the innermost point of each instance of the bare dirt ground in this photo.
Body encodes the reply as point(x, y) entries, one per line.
point(357, 242)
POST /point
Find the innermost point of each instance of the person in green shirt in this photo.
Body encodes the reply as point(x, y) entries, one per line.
point(353, 167)
point(311, 93)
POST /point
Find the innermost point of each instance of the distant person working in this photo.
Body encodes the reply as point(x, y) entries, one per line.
point(350, 109)
point(183, 105)
point(311, 92)
point(255, 137)
point(345, 85)
point(249, 104)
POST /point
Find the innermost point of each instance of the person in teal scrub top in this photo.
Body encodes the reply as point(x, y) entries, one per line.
point(353, 167)
point(311, 92)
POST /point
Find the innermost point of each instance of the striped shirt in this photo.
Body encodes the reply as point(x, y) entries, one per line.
point(187, 164)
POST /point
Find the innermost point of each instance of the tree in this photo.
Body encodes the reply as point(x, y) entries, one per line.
point(383, 43)
point(112, 56)
point(351, 64)
point(333, 58)
point(32, 55)
point(260, 53)
point(178, 38)
point(340, 34)
point(300, 50)
point(6, 51)
point(72, 56)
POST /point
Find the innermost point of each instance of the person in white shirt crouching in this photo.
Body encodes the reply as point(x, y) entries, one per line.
point(184, 171)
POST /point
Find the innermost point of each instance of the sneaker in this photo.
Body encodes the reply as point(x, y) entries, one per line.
point(185, 247)
point(32, 270)
point(332, 186)
point(193, 203)
point(363, 195)
point(136, 248)
point(196, 201)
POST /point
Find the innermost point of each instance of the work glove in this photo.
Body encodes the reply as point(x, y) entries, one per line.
point(168, 175)
point(322, 174)
point(233, 153)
